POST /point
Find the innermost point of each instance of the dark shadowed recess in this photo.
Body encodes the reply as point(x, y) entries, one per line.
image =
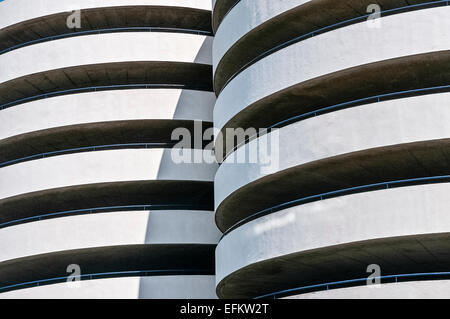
point(177, 18)
point(390, 76)
point(156, 74)
point(312, 16)
point(116, 134)
point(189, 195)
point(196, 258)
point(365, 167)
point(420, 253)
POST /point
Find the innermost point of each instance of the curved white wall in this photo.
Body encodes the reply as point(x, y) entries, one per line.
point(432, 289)
point(347, 219)
point(392, 122)
point(105, 48)
point(408, 33)
point(108, 229)
point(158, 287)
point(114, 228)
point(246, 16)
point(100, 167)
point(15, 11)
point(121, 105)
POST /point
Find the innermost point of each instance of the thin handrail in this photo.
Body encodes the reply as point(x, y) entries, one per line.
point(327, 286)
point(103, 88)
point(141, 273)
point(327, 109)
point(322, 30)
point(87, 149)
point(106, 30)
point(97, 210)
point(322, 196)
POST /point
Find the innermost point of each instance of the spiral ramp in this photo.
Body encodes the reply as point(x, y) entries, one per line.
point(355, 113)
point(87, 176)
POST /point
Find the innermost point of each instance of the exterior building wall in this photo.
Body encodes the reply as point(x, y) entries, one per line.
point(358, 150)
point(353, 47)
point(358, 147)
point(87, 175)
point(94, 107)
point(382, 124)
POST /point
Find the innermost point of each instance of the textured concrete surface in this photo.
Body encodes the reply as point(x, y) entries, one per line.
point(220, 10)
point(403, 229)
point(165, 74)
point(353, 46)
point(16, 11)
point(395, 255)
point(93, 19)
point(92, 107)
point(105, 48)
point(252, 27)
point(385, 77)
point(395, 139)
point(101, 167)
point(112, 134)
point(398, 212)
point(244, 17)
point(182, 237)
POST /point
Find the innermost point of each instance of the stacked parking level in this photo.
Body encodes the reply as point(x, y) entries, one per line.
point(361, 109)
point(88, 186)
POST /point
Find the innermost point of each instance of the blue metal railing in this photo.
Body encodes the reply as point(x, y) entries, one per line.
point(88, 149)
point(329, 28)
point(108, 30)
point(137, 273)
point(97, 210)
point(350, 190)
point(104, 88)
point(371, 99)
point(332, 285)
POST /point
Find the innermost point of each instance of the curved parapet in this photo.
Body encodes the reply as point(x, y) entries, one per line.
point(21, 10)
point(251, 31)
point(333, 146)
point(104, 48)
point(397, 229)
point(109, 229)
point(125, 63)
point(109, 262)
point(318, 155)
point(106, 106)
point(161, 287)
point(220, 10)
point(250, 16)
point(145, 195)
point(103, 167)
point(368, 63)
point(91, 93)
